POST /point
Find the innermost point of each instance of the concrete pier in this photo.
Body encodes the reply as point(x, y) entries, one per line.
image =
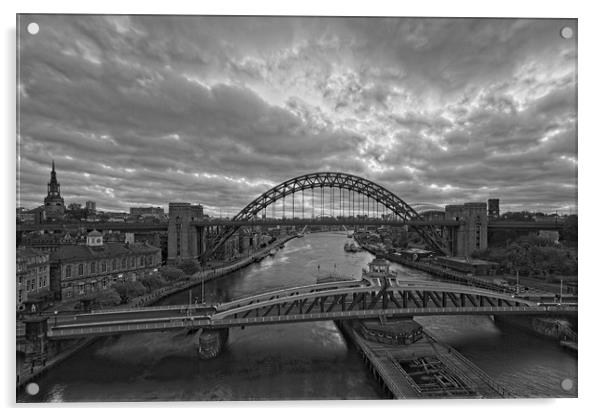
point(425, 369)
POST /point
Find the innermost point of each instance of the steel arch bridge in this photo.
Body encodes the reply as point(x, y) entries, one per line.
point(377, 193)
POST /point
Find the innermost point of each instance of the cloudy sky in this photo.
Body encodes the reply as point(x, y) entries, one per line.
point(146, 110)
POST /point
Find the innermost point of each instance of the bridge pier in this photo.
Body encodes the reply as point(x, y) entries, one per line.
point(184, 240)
point(211, 342)
point(471, 235)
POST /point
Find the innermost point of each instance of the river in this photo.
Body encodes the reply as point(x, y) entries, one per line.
point(290, 361)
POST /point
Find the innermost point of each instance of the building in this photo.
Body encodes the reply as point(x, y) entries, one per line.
point(50, 242)
point(148, 212)
point(493, 209)
point(33, 275)
point(82, 270)
point(25, 216)
point(54, 205)
point(471, 235)
point(552, 236)
point(91, 206)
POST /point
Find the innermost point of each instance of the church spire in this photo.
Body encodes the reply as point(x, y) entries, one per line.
point(54, 205)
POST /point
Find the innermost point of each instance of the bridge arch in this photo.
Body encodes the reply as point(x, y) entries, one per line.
point(340, 180)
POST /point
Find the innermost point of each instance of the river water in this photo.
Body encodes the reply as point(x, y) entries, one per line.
point(290, 361)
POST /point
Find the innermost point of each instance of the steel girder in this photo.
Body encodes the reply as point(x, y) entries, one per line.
point(340, 180)
point(363, 298)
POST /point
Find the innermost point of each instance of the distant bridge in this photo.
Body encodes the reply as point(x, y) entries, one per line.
point(326, 301)
point(225, 222)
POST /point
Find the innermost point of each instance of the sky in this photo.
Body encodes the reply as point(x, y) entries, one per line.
point(147, 110)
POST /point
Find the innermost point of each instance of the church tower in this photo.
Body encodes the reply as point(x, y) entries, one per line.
point(54, 205)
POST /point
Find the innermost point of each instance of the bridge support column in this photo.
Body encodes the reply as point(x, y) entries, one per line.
point(184, 240)
point(471, 235)
point(211, 342)
point(36, 343)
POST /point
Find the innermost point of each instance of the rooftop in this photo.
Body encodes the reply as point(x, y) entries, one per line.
point(80, 252)
point(28, 252)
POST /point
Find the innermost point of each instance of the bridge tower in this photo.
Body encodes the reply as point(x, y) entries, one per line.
point(185, 241)
point(471, 235)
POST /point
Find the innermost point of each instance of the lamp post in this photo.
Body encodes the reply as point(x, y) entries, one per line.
point(560, 290)
point(517, 290)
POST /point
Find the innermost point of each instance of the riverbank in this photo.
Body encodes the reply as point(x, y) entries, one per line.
point(453, 374)
point(548, 328)
point(438, 271)
point(32, 373)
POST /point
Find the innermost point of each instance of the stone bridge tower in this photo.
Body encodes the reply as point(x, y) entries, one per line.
point(472, 234)
point(184, 240)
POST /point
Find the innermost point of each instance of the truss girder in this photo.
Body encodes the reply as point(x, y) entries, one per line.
point(366, 298)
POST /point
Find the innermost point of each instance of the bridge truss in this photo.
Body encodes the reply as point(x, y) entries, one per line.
point(326, 301)
point(368, 193)
point(355, 300)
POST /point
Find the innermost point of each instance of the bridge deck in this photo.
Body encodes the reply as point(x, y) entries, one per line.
point(385, 360)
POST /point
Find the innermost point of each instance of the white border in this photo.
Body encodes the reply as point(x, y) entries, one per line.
point(590, 152)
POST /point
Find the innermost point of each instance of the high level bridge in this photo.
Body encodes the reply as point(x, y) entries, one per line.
point(321, 199)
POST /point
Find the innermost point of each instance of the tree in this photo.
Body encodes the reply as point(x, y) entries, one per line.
point(190, 267)
point(128, 289)
point(569, 230)
point(531, 256)
point(170, 273)
point(153, 282)
point(108, 297)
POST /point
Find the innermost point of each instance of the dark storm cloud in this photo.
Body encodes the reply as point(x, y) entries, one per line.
point(147, 110)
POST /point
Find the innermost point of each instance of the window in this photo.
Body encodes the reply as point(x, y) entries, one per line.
point(104, 283)
point(68, 271)
point(39, 283)
point(123, 265)
point(132, 261)
point(114, 265)
point(103, 267)
point(69, 292)
point(80, 269)
point(20, 296)
point(81, 289)
point(93, 267)
point(141, 261)
point(20, 279)
point(44, 282)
